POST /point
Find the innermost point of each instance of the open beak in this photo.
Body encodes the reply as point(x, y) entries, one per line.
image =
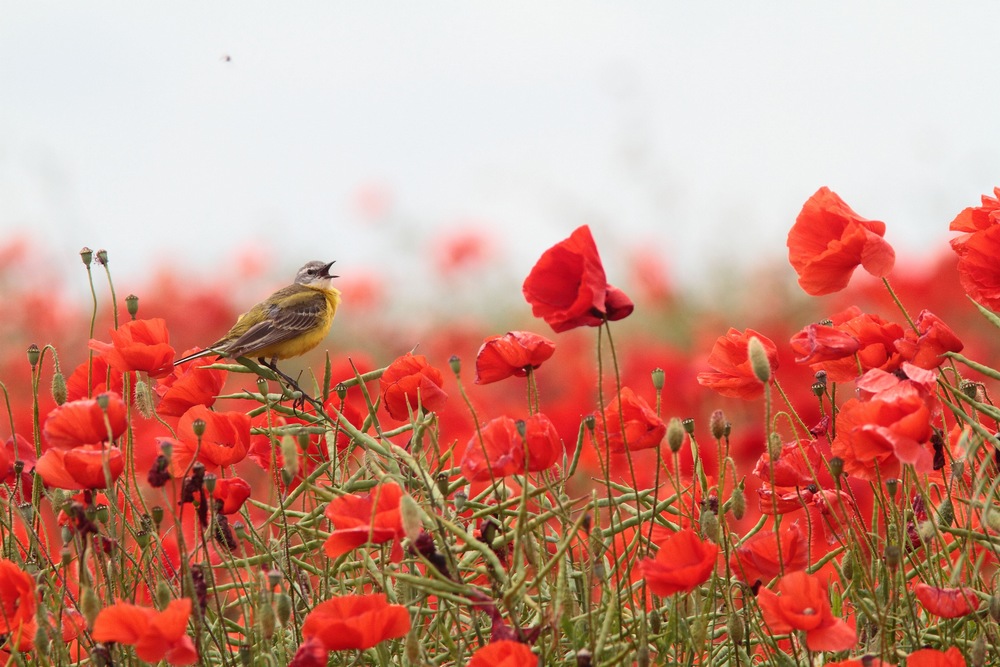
point(326, 270)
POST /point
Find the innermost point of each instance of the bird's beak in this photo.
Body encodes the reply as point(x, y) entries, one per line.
point(326, 270)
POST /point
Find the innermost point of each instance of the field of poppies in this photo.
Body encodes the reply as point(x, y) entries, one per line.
point(794, 475)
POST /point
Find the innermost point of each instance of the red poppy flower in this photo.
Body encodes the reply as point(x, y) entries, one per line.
point(933, 338)
point(929, 657)
point(759, 558)
point(567, 286)
point(801, 603)
point(884, 434)
point(977, 248)
point(156, 635)
point(867, 661)
point(409, 382)
point(225, 441)
point(232, 492)
point(683, 563)
point(798, 465)
point(356, 622)
point(87, 381)
point(877, 345)
point(628, 421)
point(511, 354)
point(818, 342)
point(81, 467)
point(311, 653)
point(83, 422)
point(829, 240)
point(139, 345)
point(733, 376)
point(17, 598)
point(189, 385)
point(503, 448)
point(372, 518)
point(504, 653)
point(947, 602)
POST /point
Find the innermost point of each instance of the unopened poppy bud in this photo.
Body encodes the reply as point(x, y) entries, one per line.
point(102, 257)
point(655, 623)
point(410, 516)
point(957, 470)
point(246, 655)
point(442, 484)
point(994, 607)
point(33, 354)
point(456, 364)
point(892, 556)
point(738, 503)
point(675, 435)
point(978, 652)
point(736, 628)
point(144, 402)
point(90, 605)
point(836, 466)
point(59, 393)
point(642, 656)
point(65, 556)
point(266, 619)
point(658, 377)
point(688, 425)
point(41, 639)
point(774, 446)
point(925, 530)
point(970, 389)
point(758, 360)
point(87, 255)
point(283, 607)
point(892, 485)
point(198, 427)
point(584, 658)
point(717, 424)
point(290, 457)
point(132, 305)
point(847, 566)
point(412, 648)
point(709, 523)
point(163, 594)
point(946, 513)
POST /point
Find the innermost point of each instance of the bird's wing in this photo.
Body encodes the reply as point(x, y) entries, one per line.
point(284, 319)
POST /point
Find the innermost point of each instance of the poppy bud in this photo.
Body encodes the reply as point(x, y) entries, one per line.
point(642, 656)
point(410, 517)
point(456, 364)
point(892, 556)
point(59, 394)
point(273, 578)
point(290, 456)
point(65, 556)
point(736, 628)
point(717, 424)
point(246, 655)
point(758, 359)
point(283, 608)
point(774, 446)
point(654, 621)
point(946, 513)
point(836, 466)
point(675, 435)
point(658, 377)
point(41, 647)
point(709, 524)
point(132, 305)
point(90, 605)
point(87, 255)
point(33, 354)
point(978, 652)
point(412, 648)
point(266, 619)
point(738, 503)
point(994, 607)
point(143, 398)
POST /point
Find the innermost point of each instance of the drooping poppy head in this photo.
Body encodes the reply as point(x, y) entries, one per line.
point(231, 493)
point(829, 240)
point(513, 353)
point(356, 622)
point(947, 602)
point(628, 422)
point(504, 653)
point(567, 286)
point(734, 375)
point(684, 562)
point(926, 347)
point(87, 421)
point(410, 382)
point(818, 342)
point(139, 345)
point(977, 248)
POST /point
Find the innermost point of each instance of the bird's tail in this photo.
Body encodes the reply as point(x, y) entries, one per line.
point(195, 355)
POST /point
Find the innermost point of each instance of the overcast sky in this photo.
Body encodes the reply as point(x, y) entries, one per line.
point(181, 132)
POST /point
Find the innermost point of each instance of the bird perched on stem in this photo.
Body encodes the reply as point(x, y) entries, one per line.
point(289, 323)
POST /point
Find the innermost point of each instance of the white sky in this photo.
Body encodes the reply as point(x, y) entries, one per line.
point(698, 129)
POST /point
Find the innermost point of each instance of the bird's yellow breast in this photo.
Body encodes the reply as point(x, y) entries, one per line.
point(308, 339)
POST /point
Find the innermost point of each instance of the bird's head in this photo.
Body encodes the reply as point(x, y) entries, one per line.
point(315, 274)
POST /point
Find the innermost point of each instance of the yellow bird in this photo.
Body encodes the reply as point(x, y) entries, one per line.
point(289, 323)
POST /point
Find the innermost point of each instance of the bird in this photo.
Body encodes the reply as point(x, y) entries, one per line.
point(287, 324)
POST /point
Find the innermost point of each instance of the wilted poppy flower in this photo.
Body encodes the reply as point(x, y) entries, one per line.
point(883, 434)
point(189, 385)
point(757, 558)
point(818, 342)
point(682, 563)
point(504, 653)
point(231, 492)
point(877, 346)
point(224, 442)
point(829, 240)
point(138, 345)
point(628, 421)
point(933, 338)
point(83, 422)
point(947, 602)
point(508, 447)
point(356, 622)
point(929, 657)
point(409, 382)
point(567, 286)
point(372, 518)
point(514, 353)
point(977, 248)
point(802, 603)
point(81, 467)
point(156, 635)
point(17, 598)
point(734, 376)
